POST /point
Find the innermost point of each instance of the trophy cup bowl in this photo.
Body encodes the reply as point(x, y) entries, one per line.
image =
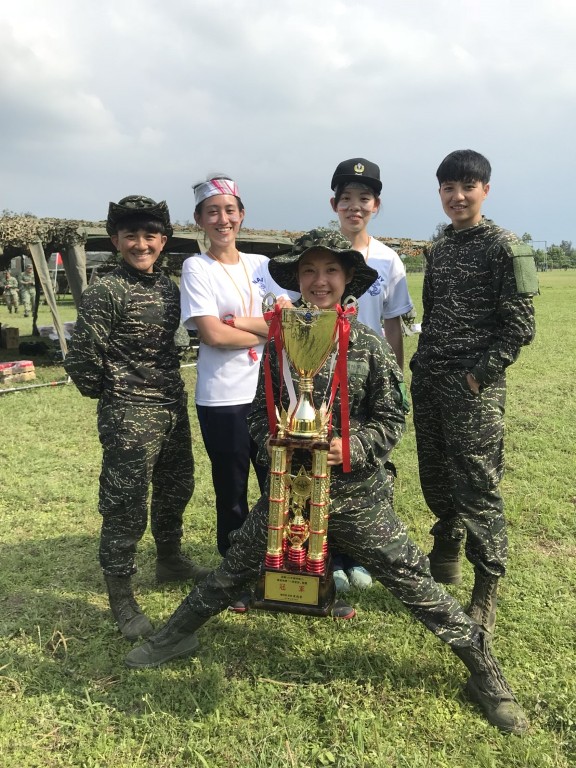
point(308, 335)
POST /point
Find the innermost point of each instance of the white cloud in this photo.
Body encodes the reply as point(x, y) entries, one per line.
point(103, 99)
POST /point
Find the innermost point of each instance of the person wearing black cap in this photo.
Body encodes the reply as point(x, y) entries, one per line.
point(123, 353)
point(356, 185)
point(362, 519)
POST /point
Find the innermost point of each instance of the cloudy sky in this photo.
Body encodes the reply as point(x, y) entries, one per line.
point(104, 98)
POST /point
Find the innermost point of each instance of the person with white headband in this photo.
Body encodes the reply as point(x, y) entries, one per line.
point(221, 298)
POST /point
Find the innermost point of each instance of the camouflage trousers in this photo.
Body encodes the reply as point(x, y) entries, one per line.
point(142, 444)
point(460, 443)
point(11, 298)
point(365, 529)
point(27, 297)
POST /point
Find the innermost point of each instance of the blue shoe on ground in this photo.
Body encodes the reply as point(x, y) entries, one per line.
point(341, 580)
point(359, 577)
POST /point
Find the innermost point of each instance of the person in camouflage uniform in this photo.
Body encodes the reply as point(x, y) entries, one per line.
point(123, 353)
point(362, 521)
point(478, 313)
point(10, 292)
point(27, 289)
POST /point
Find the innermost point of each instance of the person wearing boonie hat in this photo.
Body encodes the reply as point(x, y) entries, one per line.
point(221, 295)
point(362, 520)
point(123, 353)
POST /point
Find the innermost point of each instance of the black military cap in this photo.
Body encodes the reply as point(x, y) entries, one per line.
point(137, 205)
point(360, 170)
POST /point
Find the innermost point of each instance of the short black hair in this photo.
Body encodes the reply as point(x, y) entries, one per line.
point(140, 221)
point(464, 165)
point(339, 191)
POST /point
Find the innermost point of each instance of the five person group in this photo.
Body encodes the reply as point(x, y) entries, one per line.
point(478, 313)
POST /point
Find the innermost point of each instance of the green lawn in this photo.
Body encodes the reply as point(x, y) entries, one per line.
point(268, 691)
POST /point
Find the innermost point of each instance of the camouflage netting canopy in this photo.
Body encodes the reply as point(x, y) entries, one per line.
point(17, 231)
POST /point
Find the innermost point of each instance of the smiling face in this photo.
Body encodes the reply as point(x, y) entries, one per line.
point(355, 207)
point(221, 218)
point(139, 248)
point(462, 202)
point(323, 277)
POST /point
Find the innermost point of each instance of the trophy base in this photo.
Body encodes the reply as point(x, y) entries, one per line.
point(290, 591)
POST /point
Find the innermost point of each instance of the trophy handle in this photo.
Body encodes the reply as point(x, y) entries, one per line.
point(350, 301)
point(268, 302)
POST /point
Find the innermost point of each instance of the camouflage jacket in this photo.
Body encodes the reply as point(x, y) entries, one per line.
point(26, 281)
point(376, 416)
point(123, 341)
point(10, 284)
point(477, 315)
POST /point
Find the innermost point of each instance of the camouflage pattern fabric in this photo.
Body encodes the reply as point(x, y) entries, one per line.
point(283, 268)
point(143, 443)
point(123, 352)
point(362, 521)
point(476, 319)
point(460, 443)
point(27, 291)
point(123, 341)
point(11, 293)
point(137, 205)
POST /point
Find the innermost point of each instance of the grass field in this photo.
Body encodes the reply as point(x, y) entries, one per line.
point(272, 691)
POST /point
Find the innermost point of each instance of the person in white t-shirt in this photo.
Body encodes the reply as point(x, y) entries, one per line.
point(356, 185)
point(221, 298)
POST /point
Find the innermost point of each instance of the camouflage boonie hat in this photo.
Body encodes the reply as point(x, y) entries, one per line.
point(137, 205)
point(284, 268)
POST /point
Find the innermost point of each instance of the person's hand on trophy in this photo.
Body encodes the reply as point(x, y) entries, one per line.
point(335, 452)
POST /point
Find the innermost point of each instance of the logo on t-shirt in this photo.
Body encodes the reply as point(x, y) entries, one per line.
point(376, 286)
point(259, 283)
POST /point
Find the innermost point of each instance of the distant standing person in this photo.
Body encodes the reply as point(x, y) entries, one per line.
point(11, 292)
point(221, 294)
point(478, 313)
point(356, 185)
point(28, 289)
point(123, 353)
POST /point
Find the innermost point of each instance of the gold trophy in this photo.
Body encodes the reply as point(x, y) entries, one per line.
point(296, 576)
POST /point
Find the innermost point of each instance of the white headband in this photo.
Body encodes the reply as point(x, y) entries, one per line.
point(215, 187)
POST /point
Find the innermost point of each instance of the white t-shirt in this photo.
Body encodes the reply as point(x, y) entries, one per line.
point(209, 288)
point(388, 296)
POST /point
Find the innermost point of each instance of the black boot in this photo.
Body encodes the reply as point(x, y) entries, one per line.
point(488, 688)
point(176, 638)
point(482, 608)
point(128, 614)
point(445, 561)
point(172, 565)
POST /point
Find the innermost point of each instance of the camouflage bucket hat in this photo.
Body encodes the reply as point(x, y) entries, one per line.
point(284, 268)
point(137, 205)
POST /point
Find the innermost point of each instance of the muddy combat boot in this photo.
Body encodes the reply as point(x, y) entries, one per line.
point(488, 688)
point(176, 639)
point(128, 614)
point(172, 565)
point(482, 608)
point(445, 561)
